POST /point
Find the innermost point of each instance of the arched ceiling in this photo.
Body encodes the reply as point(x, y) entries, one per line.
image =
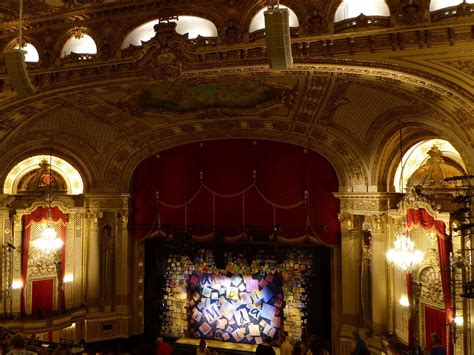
point(344, 97)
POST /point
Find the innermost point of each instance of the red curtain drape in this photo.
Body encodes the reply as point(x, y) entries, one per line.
point(37, 216)
point(435, 322)
point(281, 172)
point(420, 217)
point(42, 294)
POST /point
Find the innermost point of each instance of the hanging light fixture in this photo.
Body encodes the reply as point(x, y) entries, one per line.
point(48, 241)
point(404, 255)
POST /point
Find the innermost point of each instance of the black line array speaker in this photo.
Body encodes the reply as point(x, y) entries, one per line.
point(16, 68)
point(277, 34)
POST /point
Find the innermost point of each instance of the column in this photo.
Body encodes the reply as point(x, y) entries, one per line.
point(69, 262)
point(78, 285)
point(15, 301)
point(350, 257)
point(93, 261)
point(122, 264)
point(379, 284)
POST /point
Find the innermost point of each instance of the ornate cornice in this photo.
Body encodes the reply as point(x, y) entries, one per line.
point(106, 202)
point(367, 204)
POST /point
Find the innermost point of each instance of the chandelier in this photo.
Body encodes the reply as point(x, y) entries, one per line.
point(404, 255)
point(48, 240)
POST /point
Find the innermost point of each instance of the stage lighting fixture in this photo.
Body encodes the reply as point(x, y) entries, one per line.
point(278, 228)
point(468, 290)
point(463, 227)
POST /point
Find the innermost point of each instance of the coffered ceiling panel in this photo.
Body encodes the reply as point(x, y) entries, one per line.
point(362, 104)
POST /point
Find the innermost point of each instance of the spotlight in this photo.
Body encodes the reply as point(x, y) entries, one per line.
point(278, 228)
point(459, 320)
point(404, 302)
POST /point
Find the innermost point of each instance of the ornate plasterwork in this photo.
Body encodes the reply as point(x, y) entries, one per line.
point(431, 290)
point(106, 202)
point(464, 65)
point(368, 204)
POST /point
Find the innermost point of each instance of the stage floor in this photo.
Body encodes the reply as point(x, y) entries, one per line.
point(220, 346)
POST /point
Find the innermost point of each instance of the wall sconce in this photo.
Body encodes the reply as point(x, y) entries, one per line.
point(17, 284)
point(459, 321)
point(404, 301)
point(68, 278)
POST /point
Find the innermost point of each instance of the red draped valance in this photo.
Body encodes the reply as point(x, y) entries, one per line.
point(421, 217)
point(238, 186)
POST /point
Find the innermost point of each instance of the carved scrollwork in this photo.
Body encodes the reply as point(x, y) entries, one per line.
point(315, 23)
point(411, 12)
point(376, 223)
point(431, 289)
point(347, 221)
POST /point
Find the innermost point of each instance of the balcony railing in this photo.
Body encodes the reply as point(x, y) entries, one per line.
point(29, 323)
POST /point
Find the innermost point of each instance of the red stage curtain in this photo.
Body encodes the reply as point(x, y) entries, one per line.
point(421, 217)
point(37, 216)
point(237, 185)
point(42, 297)
point(435, 322)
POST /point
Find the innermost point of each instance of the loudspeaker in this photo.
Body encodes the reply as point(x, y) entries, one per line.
point(277, 33)
point(16, 68)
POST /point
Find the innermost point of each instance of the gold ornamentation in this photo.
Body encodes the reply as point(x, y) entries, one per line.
point(78, 32)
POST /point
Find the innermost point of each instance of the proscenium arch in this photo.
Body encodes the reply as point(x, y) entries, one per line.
point(341, 167)
point(72, 177)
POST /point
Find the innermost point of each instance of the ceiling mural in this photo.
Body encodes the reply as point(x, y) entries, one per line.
point(181, 97)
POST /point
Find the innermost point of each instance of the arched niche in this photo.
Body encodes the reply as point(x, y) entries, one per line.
point(30, 170)
point(418, 154)
point(192, 25)
point(353, 8)
point(31, 55)
point(83, 44)
point(442, 4)
point(258, 21)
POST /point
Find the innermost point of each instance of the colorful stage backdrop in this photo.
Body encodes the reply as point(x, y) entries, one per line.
point(242, 303)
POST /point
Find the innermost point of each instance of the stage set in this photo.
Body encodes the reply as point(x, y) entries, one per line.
point(237, 241)
point(237, 294)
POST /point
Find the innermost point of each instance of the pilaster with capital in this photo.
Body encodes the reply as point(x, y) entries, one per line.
point(376, 226)
point(364, 242)
point(93, 260)
point(122, 271)
point(109, 236)
point(350, 258)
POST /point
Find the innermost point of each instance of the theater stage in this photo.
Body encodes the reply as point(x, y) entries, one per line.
point(222, 347)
